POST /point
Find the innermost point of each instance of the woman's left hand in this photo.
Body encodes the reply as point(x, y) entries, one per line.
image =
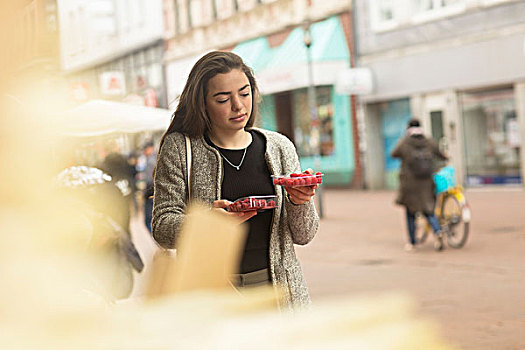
point(220, 205)
point(302, 194)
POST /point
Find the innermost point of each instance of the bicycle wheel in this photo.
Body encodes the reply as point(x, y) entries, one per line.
point(422, 228)
point(452, 217)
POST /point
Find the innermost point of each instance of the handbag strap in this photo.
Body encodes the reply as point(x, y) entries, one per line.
point(188, 164)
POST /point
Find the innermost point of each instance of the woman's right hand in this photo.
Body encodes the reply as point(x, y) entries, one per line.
point(242, 216)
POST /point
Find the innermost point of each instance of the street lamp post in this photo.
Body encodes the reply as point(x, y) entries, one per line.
point(315, 139)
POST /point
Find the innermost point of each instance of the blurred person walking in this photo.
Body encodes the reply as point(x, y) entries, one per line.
point(151, 157)
point(123, 176)
point(103, 205)
point(232, 159)
point(132, 163)
point(418, 155)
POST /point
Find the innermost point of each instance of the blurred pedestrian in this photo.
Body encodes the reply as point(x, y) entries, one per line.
point(122, 173)
point(105, 207)
point(132, 163)
point(416, 186)
point(151, 157)
point(232, 159)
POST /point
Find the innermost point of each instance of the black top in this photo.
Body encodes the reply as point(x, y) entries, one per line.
point(252, 179)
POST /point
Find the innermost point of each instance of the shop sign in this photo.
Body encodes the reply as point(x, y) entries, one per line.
point(150, 98)
point(113, 83)
point(354, 81)
point(79, 91)
point(296, 76)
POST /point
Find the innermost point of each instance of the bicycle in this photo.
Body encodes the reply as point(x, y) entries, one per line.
point(452, 211)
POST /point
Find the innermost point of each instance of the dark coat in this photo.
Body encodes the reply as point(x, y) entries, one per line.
point(417, 194)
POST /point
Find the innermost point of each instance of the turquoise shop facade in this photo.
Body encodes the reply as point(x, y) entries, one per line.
point(281, 68)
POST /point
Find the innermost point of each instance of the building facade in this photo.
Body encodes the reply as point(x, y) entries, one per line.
point(37, 33)
point(270, 36)
point(113, 50)
point(459, 67)
point(30, 52)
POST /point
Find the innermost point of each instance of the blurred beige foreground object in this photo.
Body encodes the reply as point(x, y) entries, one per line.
point(47, 300)
point(58, 315)
point(223, 320)
point(208, 253)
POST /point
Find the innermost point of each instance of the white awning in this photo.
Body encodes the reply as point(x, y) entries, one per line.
point(100, 117)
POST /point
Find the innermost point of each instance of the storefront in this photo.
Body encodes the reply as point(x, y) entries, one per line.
point(477, 116)
point(281, 69)
point(492, 137)
point(135, 78)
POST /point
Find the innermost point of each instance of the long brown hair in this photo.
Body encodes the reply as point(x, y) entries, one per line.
point(190, 117)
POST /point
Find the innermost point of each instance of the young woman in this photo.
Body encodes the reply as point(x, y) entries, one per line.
point(231, 159)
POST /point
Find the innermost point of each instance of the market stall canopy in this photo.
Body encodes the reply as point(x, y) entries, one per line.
point(100, 117)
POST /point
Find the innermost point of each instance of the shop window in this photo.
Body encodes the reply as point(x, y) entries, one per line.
point(182, 17)
point(77, 33)
point(492, 142)
point(284, 106)
point(395, 115)
point(494, 2)
point(28, 29)
point(224, 8)
point(436, 121)
point(435, 5)
point(123, 17)
point(383, 14)
point(305, 140)
point(201, 12)
point(136, 13)
point(245, 5)
point(427, 10)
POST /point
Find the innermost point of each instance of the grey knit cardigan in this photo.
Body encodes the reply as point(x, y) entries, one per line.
point(291, 224)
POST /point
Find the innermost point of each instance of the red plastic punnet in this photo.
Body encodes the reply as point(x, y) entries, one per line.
point(298, 179)
point(252, 203)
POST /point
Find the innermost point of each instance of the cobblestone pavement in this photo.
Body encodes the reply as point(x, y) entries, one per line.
point(475, 294)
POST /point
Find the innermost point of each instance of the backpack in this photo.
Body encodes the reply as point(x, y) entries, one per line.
point(421, 163)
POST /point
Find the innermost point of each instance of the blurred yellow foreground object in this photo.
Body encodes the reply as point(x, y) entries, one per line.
point(208, 253)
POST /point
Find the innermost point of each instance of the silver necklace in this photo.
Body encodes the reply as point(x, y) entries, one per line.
point(237, 167)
